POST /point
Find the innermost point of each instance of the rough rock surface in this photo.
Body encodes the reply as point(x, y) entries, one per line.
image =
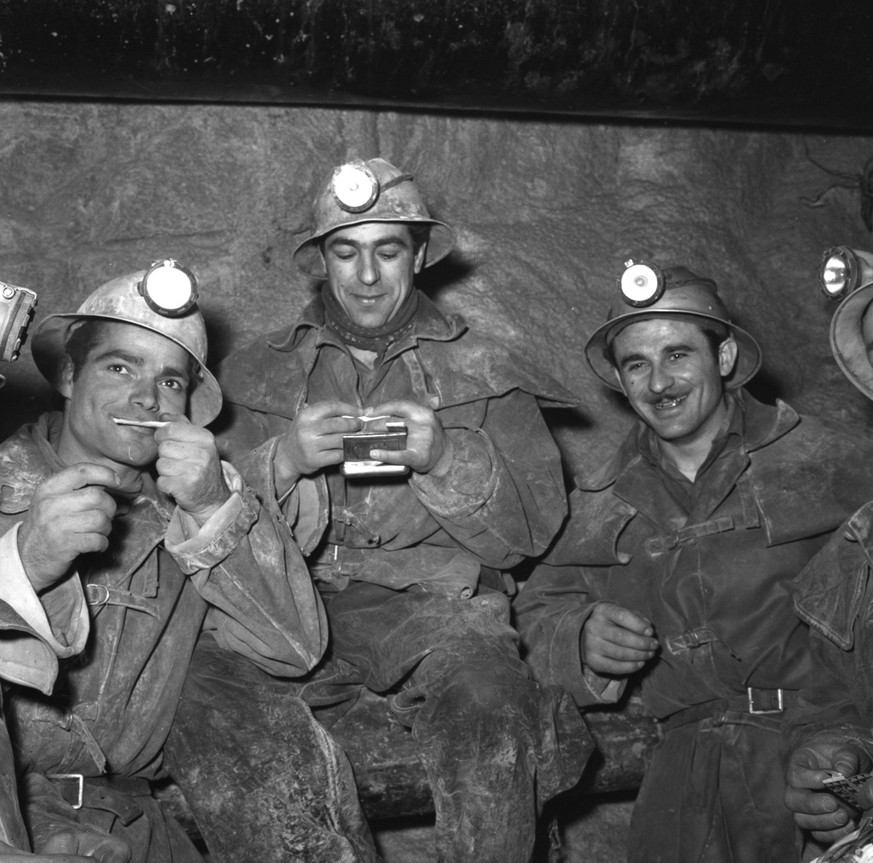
point(546, 212)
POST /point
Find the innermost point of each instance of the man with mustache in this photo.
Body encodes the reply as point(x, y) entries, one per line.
point(676, 563)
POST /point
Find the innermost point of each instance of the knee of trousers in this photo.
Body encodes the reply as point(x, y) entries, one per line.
point(491, 693)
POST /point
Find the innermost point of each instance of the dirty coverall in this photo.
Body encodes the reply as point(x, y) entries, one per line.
point(402, 561)
point(239, 578)
point(710, 564)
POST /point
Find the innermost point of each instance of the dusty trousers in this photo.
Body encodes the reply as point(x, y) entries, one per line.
point(264, 779)
point(713, 793)
point(495, 744)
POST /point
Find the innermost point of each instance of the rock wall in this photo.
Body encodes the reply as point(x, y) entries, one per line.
point(546, 211)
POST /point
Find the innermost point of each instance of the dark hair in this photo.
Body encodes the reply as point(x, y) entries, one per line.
point(420, 234)
point(84, 336)
point(714, 333)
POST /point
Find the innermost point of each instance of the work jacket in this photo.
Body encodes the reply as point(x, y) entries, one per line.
point(502, 498)
point(714, 581)
point(834, 595)
point(158, 584)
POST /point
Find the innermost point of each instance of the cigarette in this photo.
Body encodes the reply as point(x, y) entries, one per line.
point(146, 424)
point(365, 419)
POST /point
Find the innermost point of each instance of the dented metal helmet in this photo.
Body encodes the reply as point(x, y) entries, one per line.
point(122, 300)
point(685, 295)
point(373, 191)
point(847, 339)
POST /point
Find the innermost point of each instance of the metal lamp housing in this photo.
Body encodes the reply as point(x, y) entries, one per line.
point(169, 288)
point(641, 284)
point(844, 270)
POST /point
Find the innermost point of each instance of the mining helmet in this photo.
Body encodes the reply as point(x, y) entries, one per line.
point(161, 299)
point(847, 338)
point(651, 292)
point(373, 191)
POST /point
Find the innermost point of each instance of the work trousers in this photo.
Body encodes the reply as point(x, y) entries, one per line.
point(495, 744)
point(264, 779)
point(714, 793)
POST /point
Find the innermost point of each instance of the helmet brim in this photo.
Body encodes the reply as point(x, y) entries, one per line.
point(847, 339)
point(749, 355)
point(441, 241)
point(49, 348)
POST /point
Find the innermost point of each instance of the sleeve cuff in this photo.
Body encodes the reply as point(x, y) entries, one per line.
point(470, 480)
point(60, 618)
point(196, 547)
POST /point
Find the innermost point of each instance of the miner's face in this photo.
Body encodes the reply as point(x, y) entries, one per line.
point(673, 378)
point(370, 270)
point(130, 373)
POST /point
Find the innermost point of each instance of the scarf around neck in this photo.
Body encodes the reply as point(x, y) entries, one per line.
point(377, 339)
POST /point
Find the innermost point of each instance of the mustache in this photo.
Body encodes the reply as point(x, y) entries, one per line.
point(662, 398)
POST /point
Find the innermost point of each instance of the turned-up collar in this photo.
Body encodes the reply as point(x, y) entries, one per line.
point(761, 425)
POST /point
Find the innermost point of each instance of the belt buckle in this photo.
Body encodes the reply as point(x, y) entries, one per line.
point(79, 778)
point(750, 693)
point(95, 594)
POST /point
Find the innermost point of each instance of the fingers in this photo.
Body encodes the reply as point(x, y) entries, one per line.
point(81, 475)
point(817, 812)
point(400, 409)
point(616, 640)
point(625, 619)
point(329, 409)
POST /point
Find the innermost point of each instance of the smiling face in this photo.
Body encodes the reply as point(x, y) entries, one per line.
point(673, 379)
point(130, 373)
point(370, 270)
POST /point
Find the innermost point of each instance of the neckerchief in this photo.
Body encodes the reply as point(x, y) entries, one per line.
point(377, 339)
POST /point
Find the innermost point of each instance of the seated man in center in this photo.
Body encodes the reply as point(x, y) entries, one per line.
point(408, 558)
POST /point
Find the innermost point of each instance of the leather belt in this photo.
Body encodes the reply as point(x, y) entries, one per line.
point(756, 702)
point(110, 793)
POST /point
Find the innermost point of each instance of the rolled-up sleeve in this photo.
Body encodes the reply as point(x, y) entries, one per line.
point(503, 497)
point(245, 563)
point(37, 629)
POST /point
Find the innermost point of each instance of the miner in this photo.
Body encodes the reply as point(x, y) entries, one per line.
point(676, 564)
point(834, 596)
point(124, 505)
point(30, 648)
point(414, 465)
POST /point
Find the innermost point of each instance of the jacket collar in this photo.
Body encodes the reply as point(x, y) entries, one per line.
point(762, 425)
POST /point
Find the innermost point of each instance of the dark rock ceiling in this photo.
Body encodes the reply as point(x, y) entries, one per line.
point(754, 63)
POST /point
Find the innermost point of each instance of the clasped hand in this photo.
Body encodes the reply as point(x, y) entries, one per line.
point(315, 440)
point(616, 640)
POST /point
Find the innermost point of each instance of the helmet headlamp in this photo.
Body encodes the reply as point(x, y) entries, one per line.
point(16, 313)
point(169, 288)
point(844, 270)
point(641, 284)
point(355, 187)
